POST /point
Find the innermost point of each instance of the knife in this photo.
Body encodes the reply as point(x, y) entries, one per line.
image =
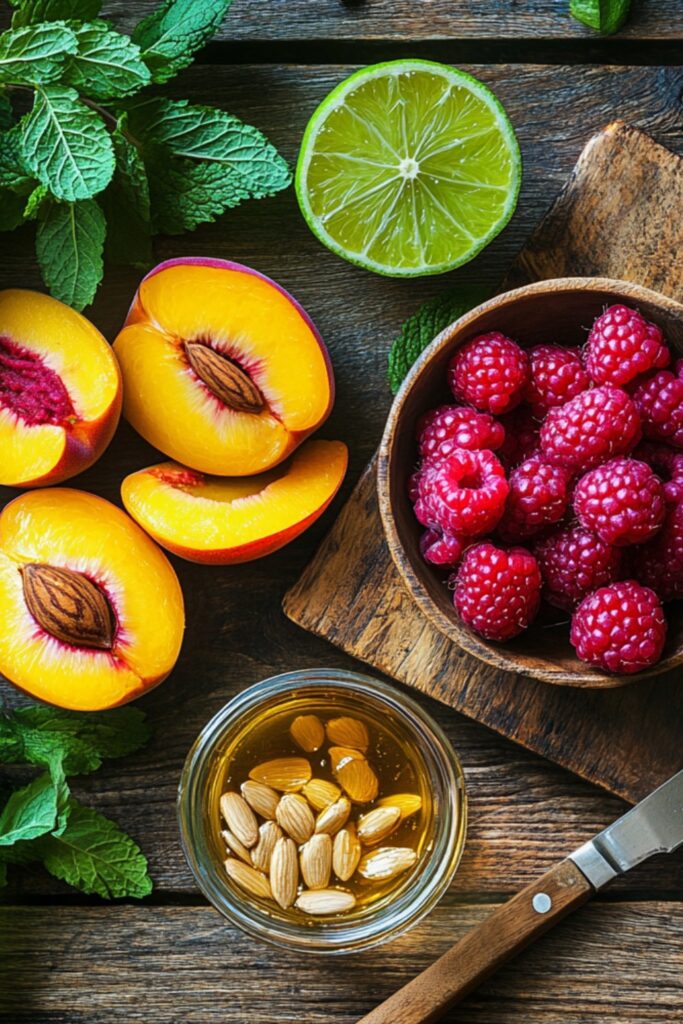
point(655, 825)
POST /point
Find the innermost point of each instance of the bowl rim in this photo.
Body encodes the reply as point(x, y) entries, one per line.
point(498, 656)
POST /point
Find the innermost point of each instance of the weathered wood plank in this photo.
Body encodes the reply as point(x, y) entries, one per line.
point(616, 962)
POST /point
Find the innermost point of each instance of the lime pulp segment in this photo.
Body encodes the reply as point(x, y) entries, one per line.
point(408, 168)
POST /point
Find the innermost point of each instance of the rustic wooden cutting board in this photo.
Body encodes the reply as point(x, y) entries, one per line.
point(620, 215)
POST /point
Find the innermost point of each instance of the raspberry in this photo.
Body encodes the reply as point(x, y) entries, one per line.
point(659, 400)
point(497, 592)
point(441, 548)
point(557, 374)
point(667, 464)
point(490, 372)
point(622, 344)
point(620, 628)
point(573, 562)
point(538, 497)
point(521, 436)
point(659, 564)
point(622, 501)
point(590, 429)
point(464, 494)
point(456, 426)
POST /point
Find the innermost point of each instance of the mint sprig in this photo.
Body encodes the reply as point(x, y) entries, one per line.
point(104, 168)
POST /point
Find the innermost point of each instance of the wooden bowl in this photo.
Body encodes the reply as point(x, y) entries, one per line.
point(548, 311)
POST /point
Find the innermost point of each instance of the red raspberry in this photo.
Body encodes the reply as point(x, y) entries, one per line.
point(557, 374)
point(622, 344)
point(464, 494)
point(457, 426)
point(620, 628)
point(538, 497)
point(521, 436)
point(667, 464)
point(490, 372)
point(659, 564)
point(441, 548)
point(622, 501)
point(497, 592)
point(573, 562)
point(590, 429)
point(659, 400)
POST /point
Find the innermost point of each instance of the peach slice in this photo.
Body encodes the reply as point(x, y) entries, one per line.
point(92, 612)
point(223, 370)
point(60, 390)
point(219, 520)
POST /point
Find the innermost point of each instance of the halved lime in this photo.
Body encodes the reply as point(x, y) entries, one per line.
point(408, 168)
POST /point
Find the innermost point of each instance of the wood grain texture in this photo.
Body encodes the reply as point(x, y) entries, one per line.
point(616, 963)
point(627, 740)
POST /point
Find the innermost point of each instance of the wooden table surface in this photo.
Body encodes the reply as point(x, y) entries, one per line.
point(171, 959)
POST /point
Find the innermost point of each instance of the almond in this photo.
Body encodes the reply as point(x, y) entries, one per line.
point(284, 872)
point(326, 901)
point(238, 848)
point(345, 853)
point(308, 732)
point(69, 606)
point(262, 799)
point(286, 774)
point(239, 818)
point(387, 862)
point(248, 878)
point(348, 732)
point(224, 378)
point(295, 816)
point(339, 756)
point(333, 817)
point(269, 833)
point(320, 793)
point(407, 803)
point(316, 861)
point(358, 780)
point(377, 824)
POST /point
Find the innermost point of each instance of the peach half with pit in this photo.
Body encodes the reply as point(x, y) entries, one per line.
point(60, 390)
point(223, 370)
point(91, 609)
point(223, 520)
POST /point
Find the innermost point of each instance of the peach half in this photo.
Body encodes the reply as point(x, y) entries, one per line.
point(226, 520)
point(60, 390)
point(91, 610)
point(223, 370)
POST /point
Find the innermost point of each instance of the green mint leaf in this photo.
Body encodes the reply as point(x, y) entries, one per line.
point(10, 741)
point(35, 54)
point(66, 145)
point(186, 193)
point(205, 133)
point(30, 12)
point(34, 810)
point(11, 210)
point(107, 64)
point(42, 747)
point(126, 205)
point(14, 173)
point(95, 856)
point(170, 36)
point(606, 16)
point(69, 246)
point(35, 202)
point(423, 326)
point(111, 734)
point(6, 113)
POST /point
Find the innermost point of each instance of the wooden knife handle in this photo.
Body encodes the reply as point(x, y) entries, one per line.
point(484, 949)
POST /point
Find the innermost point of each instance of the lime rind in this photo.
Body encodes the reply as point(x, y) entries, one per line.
point(364, 186)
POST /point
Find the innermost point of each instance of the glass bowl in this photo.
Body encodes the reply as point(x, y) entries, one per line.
point(444, 809)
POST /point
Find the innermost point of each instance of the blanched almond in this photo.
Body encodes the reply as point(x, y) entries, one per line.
point(284, 872)
point(233, 844)
point(320, 793)
point(326, 901)
point(358, 781)
point(377, 824)
point(333, 817)
point(387, 862)
point(340, 755)
point(260, 798)
point(407, 803)
point(269, 833)
point(248, 878)
point(239, 818)
point(308, 732)
point(345, 853)
point(286, 774)
point(316, 861)
point(295, 816)
point(348, 732)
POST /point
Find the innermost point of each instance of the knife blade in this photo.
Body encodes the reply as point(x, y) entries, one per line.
point(655, 825)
